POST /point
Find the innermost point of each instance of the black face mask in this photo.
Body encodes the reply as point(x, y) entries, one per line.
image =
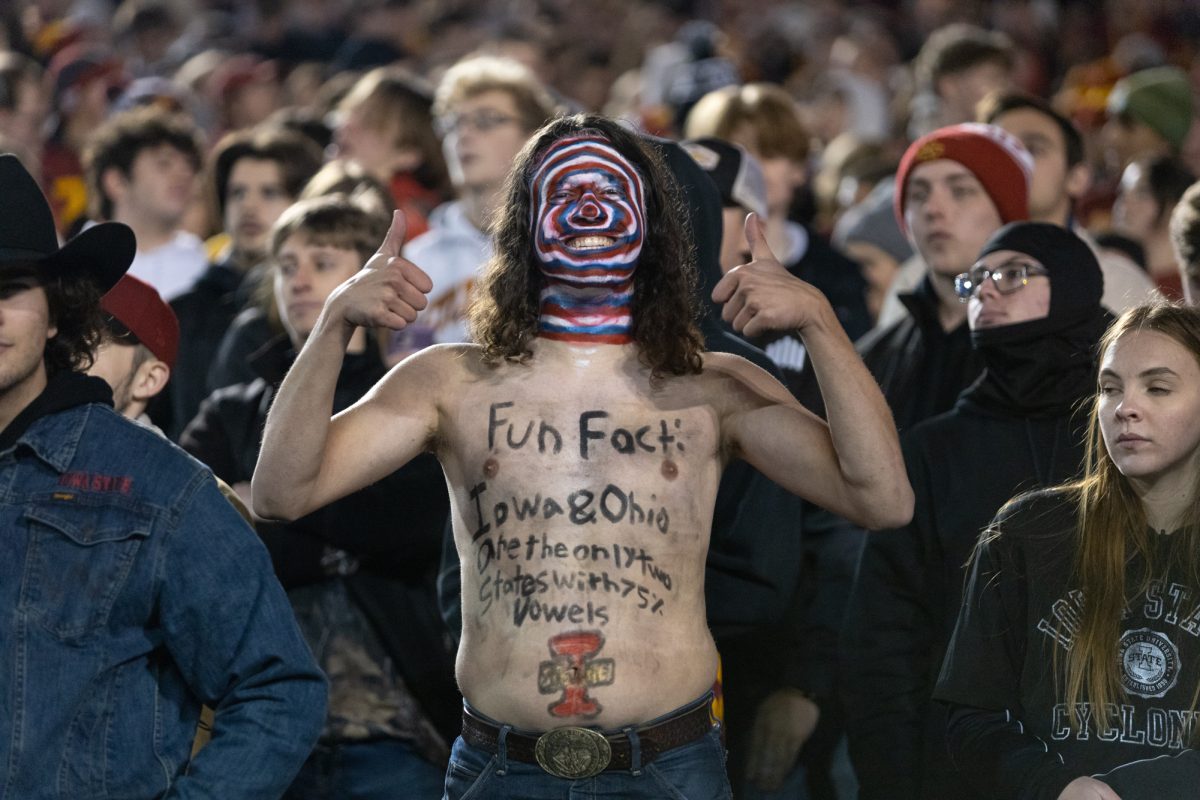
point(1041, 368)
point(1046, 366)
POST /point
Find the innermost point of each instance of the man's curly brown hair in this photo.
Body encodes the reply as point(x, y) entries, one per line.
point(75, 311)
point(504, 314)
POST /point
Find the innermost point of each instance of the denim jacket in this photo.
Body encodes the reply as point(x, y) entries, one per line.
point(130, 593)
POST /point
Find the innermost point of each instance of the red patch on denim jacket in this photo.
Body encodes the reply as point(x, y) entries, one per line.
point(96, 482)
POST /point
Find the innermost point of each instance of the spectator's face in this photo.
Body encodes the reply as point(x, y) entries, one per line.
point(23, 122)
point(370, 146)
point(782, 175)
point(949, 215)
point(253, 103)
point(1125, 140)
point(962, 91)
point(1190, 274)
point(93, 99)
point(113, 362)
point(160, 186)
point(484, 135)
point(306, 273)
point(1136, 212)
point(878, 268)
point(1053, 183)
point(1149, 405)
point(24, 329)
point(153, 44)
point(992, 308)
point(255, 196)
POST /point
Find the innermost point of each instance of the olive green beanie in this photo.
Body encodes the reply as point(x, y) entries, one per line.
point(1160, 98)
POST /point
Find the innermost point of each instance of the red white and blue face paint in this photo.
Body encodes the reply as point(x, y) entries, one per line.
point(588, 230)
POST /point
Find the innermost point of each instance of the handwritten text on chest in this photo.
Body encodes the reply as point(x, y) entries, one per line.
point(594, 434)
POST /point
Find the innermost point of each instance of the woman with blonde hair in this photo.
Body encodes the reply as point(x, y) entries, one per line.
point(1073, 670)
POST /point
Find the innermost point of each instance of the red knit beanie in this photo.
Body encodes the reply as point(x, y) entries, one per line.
point(994, 156)
point(136, 305)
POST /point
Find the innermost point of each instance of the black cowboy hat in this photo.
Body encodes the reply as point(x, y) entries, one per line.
point(100, 254)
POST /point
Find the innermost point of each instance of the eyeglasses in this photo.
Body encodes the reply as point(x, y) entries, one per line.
point(482, 121)
point(1009, 277)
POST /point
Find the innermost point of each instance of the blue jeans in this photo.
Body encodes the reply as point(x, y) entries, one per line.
point(385, 769)
point(694, 771)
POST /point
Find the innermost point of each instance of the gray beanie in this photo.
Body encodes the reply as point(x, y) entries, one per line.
point(873, 222)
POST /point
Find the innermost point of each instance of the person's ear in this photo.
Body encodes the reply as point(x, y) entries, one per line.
point(798, 172)
point(150, 379)
point(947, 89)
point(113, 184)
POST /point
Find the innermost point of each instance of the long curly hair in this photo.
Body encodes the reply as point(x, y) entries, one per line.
point(503, 316)
point(75, 310)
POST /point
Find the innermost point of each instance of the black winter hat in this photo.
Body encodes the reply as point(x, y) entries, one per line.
point(1076, 282)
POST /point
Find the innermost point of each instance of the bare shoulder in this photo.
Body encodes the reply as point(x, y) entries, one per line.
point(739, 383)
point(445, 360)
point(431, 372)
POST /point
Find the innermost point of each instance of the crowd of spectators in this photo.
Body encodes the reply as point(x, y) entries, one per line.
point(218, 130)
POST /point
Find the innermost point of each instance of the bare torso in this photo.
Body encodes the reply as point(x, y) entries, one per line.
point(582, 492)
point(582, 502)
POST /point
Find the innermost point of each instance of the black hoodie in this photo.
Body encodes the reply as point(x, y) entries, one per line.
point(1016, 428)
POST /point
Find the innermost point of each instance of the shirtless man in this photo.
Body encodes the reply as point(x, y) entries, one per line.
point(582, 440)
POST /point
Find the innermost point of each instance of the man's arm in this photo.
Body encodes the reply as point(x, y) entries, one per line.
point(852, 465)
point(308, 460)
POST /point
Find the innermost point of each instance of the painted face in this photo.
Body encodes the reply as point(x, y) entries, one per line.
point(1149, 407)
point(588, 213)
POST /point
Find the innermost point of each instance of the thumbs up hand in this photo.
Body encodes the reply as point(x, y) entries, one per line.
point(762, 296)
point(388, 291)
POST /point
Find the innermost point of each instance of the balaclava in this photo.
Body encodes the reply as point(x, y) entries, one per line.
point(1043, 367)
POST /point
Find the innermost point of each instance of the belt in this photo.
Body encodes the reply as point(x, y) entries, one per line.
point(576, 753)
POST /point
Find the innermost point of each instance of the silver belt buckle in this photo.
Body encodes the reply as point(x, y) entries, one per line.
point(573, 753)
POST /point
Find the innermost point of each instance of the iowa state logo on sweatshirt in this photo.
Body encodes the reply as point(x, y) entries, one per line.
point(1149, 663)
